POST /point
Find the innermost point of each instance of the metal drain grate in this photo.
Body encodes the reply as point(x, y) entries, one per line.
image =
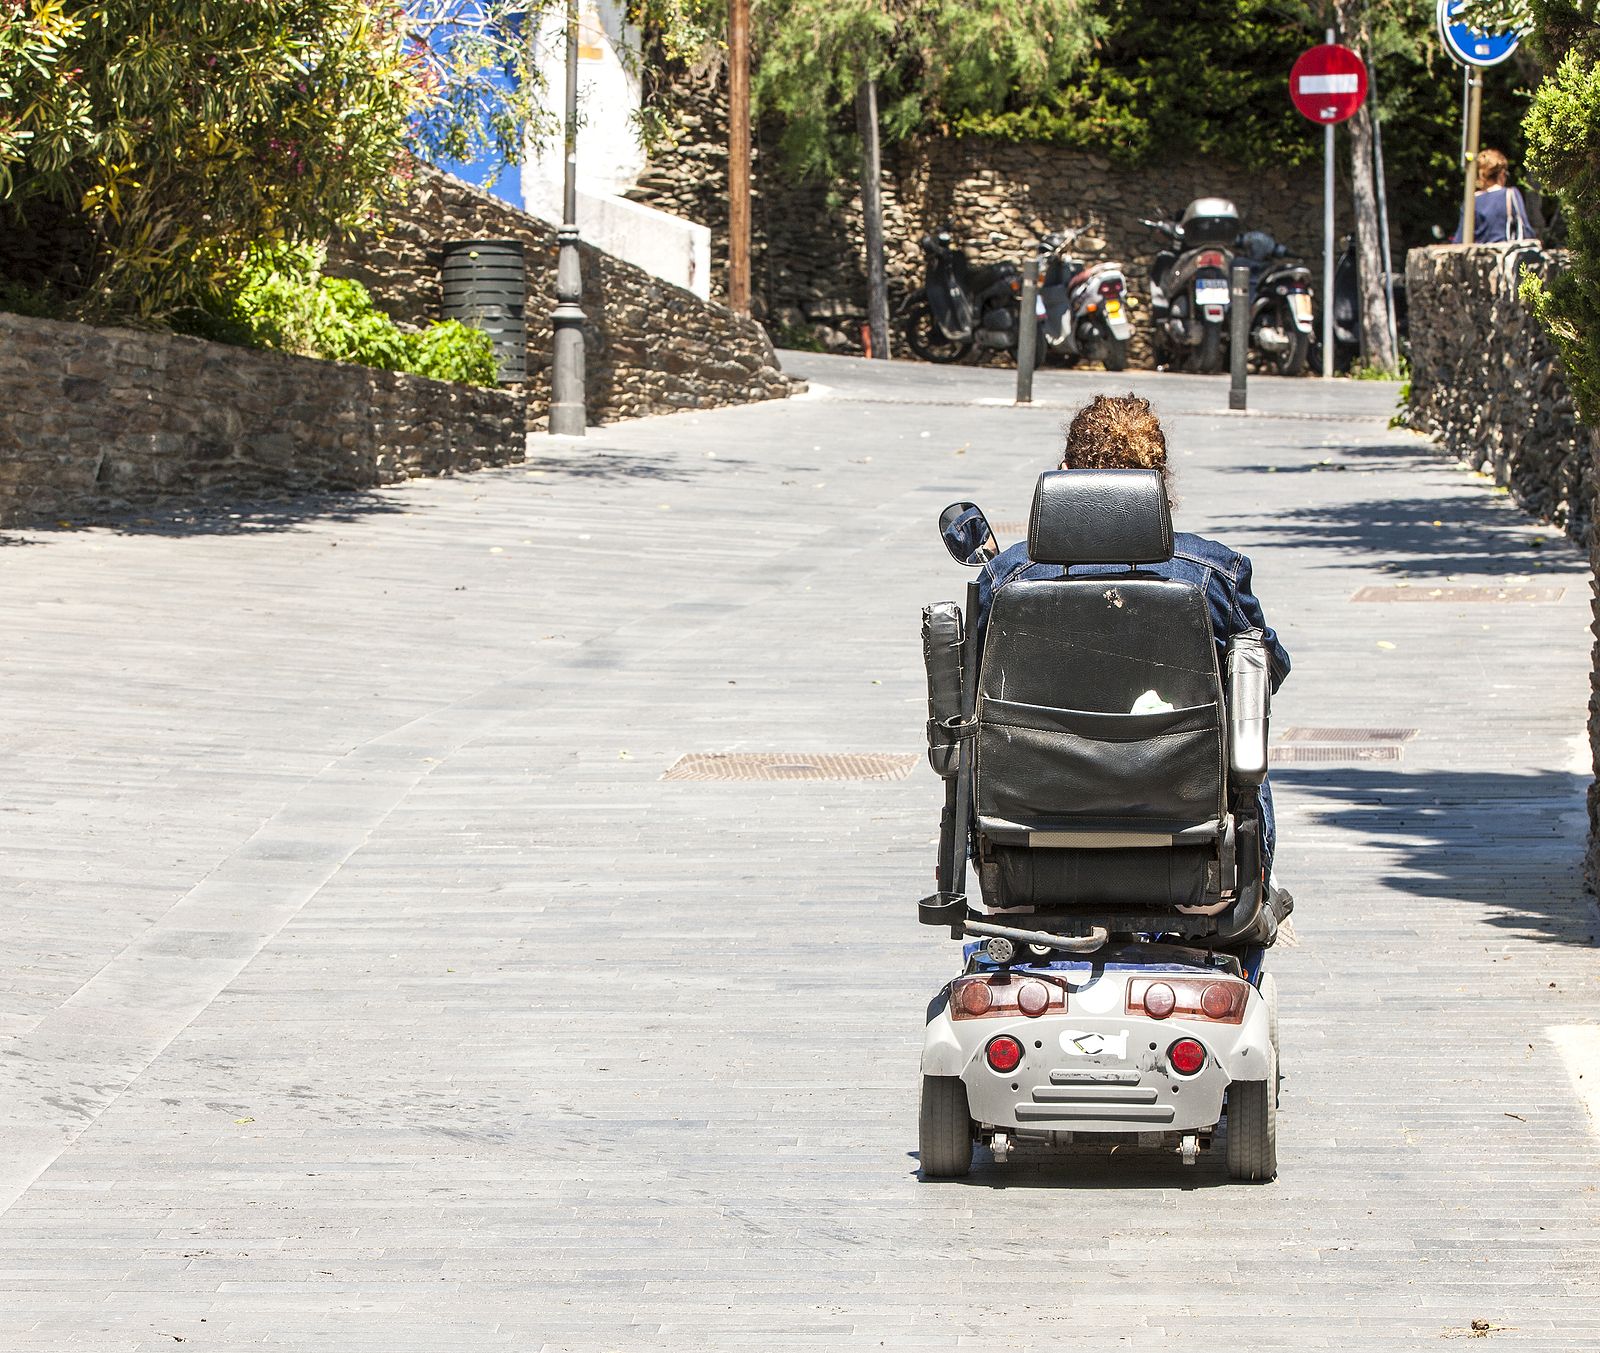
point(791, 766)
point(1307, 755)
point(1534, 596)
point(1301, 734)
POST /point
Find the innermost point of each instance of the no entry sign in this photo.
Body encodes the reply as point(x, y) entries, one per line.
point(1328, 83)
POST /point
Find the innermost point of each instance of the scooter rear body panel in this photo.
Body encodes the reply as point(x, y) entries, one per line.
point(1096, 1067)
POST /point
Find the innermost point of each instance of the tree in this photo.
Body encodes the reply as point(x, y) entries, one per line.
point(1377, 347)
point(177, 137)
point(480, 63)
point(902, 66)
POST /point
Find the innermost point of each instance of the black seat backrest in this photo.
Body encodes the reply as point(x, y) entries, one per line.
point(1062, 759)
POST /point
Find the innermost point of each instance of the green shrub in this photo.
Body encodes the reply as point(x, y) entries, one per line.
point(1563, 132)
point(178, 135)
point(450, 351)
point(281, 300)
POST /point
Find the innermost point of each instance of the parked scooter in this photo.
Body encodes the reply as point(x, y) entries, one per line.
point(1347, 311)
point(1082, 308)
point(1281, 317)
point(1189, 285)
point(963, 305)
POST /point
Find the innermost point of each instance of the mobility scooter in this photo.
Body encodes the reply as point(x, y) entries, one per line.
point(1102, 764)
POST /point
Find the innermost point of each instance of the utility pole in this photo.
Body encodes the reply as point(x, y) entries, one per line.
point(872, 214)
point(1469, 200)
point(1327, 245)
point(567, 417)
point(739, 156)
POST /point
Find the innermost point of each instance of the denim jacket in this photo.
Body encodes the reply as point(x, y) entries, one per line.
point(1222, 574)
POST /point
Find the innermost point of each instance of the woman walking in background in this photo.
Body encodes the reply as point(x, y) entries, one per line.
point(1500, 214)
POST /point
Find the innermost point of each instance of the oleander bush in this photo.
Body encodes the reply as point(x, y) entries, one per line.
point(178, 137)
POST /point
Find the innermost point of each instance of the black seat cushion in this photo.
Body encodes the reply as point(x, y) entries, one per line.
point(1017, 876)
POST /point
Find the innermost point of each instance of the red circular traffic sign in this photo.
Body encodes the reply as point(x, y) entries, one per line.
point(1328, 83)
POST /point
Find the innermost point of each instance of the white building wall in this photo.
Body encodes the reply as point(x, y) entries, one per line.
point(610, 156)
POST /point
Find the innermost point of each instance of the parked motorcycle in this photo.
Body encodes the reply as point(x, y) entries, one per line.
point(962, 304)
point(1082, 308)
point(1189, 285)
point(1281, 319)
point(1347, 310)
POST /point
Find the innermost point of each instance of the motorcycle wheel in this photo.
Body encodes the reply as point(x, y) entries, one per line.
point(925, 338)
point(1114, 354)
point(1207, 358)
point(1295, 359)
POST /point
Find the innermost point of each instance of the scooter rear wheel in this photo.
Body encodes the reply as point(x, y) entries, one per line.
point(1114, 354)
point(1207, 358)
point(945, 1133)
point(1253, 1127)
point(925, 338)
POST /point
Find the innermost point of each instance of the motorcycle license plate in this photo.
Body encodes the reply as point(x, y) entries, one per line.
point(1211, 291)
point(1113, 309)
point(1300, 306)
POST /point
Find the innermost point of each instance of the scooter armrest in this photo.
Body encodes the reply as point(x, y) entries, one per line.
point(1249, 708)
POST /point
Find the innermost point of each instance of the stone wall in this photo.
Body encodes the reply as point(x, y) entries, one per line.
point(102, 419)
point(807, 271)
point(651, 347)
point(1487, 382)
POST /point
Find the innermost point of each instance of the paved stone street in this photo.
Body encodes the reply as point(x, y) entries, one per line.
point(364, 988)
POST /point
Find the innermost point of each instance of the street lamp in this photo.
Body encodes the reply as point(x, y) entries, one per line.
point(566, 378)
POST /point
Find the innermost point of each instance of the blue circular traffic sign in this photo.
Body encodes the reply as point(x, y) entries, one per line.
point(1466, 45)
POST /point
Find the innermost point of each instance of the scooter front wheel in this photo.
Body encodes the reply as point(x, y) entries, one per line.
point(925, 338)
point(945, 1135)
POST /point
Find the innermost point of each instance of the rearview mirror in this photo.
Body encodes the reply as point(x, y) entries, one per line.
point(966, 534)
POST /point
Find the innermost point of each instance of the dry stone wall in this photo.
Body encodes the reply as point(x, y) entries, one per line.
point(807, 269)
point(651, 347)
point(1487, 382)
point(100, 419)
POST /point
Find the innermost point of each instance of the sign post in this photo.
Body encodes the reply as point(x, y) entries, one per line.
point(1467, 46)
point(1327, 85)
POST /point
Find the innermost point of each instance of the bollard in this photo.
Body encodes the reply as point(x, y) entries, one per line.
point(1027, 331)
point(1238, 331)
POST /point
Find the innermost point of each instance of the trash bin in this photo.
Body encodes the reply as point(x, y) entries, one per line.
point(486, 286)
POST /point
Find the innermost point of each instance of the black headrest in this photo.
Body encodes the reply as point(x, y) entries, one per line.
point(1100, 517)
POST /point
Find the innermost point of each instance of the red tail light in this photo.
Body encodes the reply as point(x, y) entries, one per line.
point(1186, 1056)
point(1002, 994)
point(1211, 258)
point(974, 999)
point(1159, 1000)
point(1111, 288)
point(1213, 998)
point(1005, 1053)
point(1033, 998)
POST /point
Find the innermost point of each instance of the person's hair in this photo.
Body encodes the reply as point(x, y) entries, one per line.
point(1116, 432)
point(1493, 169)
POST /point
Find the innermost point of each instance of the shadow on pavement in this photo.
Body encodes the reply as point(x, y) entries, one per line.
point(237, 517)
point(612, 465)
point(1098, 1168)
point(1496, 839)
point(1432, 537)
